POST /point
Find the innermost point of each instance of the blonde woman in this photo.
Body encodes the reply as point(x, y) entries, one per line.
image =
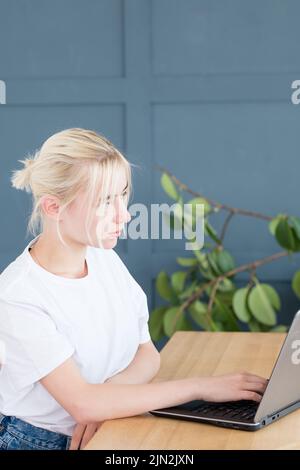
point(73, 319)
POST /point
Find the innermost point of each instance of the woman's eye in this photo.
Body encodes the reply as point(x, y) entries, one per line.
point(108, 201)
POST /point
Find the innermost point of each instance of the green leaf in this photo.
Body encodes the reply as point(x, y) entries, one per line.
point(189, 219)
point(226, 285)
point(273, 224)
point(198, 312)
point(177, 280)
point(213, 263)
point(199, 200)
point(254, 325)
point(189, 290)
point(272, 296)
point(240, 306)
point(170, 320)
point(225, 261)
point(296, 284)
point(226, 296)
point(217, 326)
point(295, 223)
point(224, 313)
point(173, 321)
point(207, 273)
point(169, 186)
point(163, 286)
point(180, 201)
point(156, 325)
point(187, 261)
point(202, 258)
point(296, 240)
point(261, 306)
point(210, 231)
point(279, 329)
point(284, 235)
point(198, 308)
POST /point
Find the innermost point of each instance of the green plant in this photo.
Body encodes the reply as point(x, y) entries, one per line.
point(205, 292)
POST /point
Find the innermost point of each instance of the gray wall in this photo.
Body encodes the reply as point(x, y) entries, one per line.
point(201, 87)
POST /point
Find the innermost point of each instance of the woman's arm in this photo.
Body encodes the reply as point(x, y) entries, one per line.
point(89, 403)
point(142, 369)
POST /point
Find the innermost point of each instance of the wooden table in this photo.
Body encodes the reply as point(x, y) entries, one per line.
point(190, 354)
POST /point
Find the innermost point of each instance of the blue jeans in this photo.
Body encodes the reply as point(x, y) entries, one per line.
point(16, 434)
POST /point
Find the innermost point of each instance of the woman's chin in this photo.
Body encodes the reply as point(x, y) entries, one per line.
point(109, 242)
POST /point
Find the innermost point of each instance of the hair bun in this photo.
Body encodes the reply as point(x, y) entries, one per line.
point(21, 179)
point(28, 162)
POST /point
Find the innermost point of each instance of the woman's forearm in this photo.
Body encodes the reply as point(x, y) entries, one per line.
point(109, 401)
point(142, 369)
point(101, 402)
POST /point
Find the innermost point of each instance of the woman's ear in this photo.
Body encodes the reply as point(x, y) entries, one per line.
point(50, 206)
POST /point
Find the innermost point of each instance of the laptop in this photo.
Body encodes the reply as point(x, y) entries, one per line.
point(281, 397)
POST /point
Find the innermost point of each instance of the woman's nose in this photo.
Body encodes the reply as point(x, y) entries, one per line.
point(122, 215)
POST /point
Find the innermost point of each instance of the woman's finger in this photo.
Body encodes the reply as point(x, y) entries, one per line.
point(88, 434)
point(249, 395)
point(77, 435)
point(254, 378)
point(254, 387)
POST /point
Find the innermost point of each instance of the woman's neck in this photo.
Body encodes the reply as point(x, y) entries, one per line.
point(52, 255)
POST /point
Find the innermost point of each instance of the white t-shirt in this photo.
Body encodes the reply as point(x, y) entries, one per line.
point(98, 320)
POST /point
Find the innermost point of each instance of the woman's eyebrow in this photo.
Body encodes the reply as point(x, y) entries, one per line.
point(108, 197)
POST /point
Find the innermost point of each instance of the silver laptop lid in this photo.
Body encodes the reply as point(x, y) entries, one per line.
point(283, 388)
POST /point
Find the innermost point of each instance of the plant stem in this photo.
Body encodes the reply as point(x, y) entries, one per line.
point(245, 267)
point(225, 226)
point(233, 210)
point(212, 298)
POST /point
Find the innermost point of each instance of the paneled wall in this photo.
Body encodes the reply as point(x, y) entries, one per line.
point(201, 87)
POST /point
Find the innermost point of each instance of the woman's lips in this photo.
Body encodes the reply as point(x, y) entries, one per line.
point(116, 234)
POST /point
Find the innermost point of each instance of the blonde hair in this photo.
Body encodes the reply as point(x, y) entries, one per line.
point(68, 162)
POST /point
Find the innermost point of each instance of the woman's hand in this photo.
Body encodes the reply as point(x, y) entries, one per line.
point(82, 434)
point(232, 387)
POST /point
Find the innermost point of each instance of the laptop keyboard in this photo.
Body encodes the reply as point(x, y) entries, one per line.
point(242, 410)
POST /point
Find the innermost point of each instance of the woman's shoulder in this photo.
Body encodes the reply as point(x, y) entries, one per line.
point(13, 274)
point(15, 281)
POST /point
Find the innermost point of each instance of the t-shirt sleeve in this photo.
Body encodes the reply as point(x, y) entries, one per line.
point(139, 300)
point(32, 344)
point(141, 306)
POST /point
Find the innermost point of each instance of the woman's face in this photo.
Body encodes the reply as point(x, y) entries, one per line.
point(106, 218)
